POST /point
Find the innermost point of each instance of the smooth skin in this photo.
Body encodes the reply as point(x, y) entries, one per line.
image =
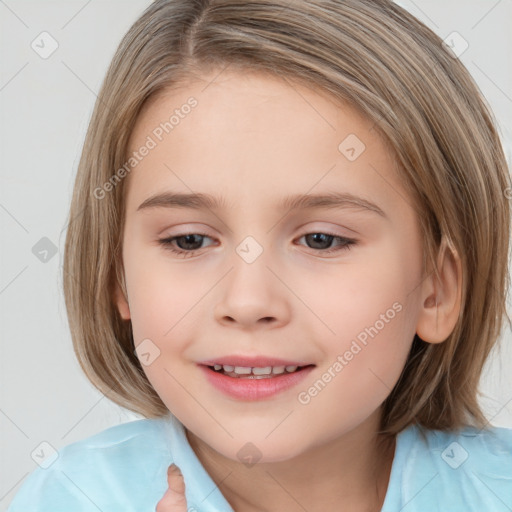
point(255, 139)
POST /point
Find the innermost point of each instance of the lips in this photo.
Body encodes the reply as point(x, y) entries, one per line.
point(255, 387)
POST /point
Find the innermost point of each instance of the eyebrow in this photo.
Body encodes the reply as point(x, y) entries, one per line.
point(197, 201)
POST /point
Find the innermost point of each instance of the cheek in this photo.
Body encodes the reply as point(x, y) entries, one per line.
point(363, 361)
point(162, 295)
point(370, 312)
point(165, 302)
point(369, 290)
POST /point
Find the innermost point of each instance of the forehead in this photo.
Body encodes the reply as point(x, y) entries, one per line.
point(251, 135)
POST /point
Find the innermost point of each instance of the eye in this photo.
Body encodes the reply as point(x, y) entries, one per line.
point(323, 239)
point(188, 244)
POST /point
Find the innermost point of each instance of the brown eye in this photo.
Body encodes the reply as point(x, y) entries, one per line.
point(184, 245)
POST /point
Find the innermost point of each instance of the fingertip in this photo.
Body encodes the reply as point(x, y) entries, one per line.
point(174, 470)
point(175, 479)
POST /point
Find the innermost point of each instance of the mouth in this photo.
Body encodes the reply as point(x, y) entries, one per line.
point(252, 383)
point(263, 372)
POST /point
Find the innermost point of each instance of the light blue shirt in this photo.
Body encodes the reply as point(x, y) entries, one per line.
point(124, 469)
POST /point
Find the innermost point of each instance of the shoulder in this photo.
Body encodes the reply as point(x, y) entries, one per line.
point(464, 470)
point(120, 468)
point(490, 442)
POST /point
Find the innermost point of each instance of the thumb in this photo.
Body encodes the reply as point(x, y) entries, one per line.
point(174, 498)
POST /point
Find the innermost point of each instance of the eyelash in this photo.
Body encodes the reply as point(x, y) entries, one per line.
point(167, 243)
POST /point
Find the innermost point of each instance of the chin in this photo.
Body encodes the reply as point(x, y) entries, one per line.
point(251, 452)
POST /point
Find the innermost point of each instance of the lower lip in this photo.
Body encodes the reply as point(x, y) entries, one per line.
point(254, 389)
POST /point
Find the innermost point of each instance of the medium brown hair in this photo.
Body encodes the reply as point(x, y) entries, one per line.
point(397, 73)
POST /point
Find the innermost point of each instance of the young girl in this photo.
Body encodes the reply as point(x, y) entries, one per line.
point(287, 250)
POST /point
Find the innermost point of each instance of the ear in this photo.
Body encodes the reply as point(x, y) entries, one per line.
point(441, 298)
point(120, 296)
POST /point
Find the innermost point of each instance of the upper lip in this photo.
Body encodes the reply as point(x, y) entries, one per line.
point(252, 361)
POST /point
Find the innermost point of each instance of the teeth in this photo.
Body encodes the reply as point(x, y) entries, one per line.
point(262, 371)
point(245, 370)
point(242, 370)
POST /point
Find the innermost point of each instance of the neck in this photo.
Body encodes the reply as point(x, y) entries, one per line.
point(350, 472)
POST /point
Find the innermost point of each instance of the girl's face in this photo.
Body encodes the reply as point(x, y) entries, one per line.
point(335, 285)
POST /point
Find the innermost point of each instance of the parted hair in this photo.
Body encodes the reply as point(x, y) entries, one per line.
point(396, 72)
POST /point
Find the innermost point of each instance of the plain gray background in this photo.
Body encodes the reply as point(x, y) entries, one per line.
point(45, 106)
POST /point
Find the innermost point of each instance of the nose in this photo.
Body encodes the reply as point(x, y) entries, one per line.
point(252, 296)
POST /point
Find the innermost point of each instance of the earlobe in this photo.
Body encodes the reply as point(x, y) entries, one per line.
point(120, 299)
point(441, 297)
point(122, 305)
